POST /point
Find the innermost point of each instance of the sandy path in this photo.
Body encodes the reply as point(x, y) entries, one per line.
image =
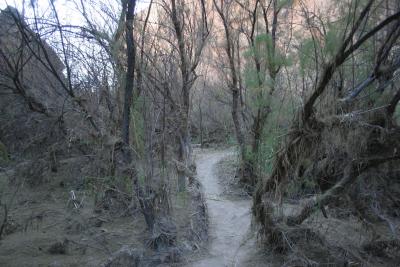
point(229, 220)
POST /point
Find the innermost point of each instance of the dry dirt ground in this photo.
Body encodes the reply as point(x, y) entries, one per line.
point(45, 229)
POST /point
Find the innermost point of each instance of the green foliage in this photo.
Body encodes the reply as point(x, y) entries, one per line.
point(273, 132)
point(270, 58)
point(396, 114)
point(249, 155)
point(231, 140)
point(264, 45)
point(305, 54)
point(264, 49)
point(3, 152)
point(332, 40)
point(251, 77)
point(268, 149)
point(266, 53)
point(141, 179)
point(284, 3)
point(182, 198)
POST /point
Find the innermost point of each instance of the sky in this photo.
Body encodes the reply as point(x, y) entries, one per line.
point(66, 8)
point(69, 15)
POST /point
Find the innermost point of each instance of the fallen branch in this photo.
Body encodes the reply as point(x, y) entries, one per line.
point(367, 82)
point(357, 90)
point(350, 174)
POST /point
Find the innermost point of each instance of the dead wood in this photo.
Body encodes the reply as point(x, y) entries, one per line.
point(352, 171)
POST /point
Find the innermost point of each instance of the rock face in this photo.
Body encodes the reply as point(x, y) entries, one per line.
point(44, 124)
point(31, 93)
point(37, 106)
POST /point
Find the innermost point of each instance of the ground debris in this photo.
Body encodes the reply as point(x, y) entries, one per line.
point(125, 257)
point(60, 247)
point(164, 235)
point(384, 248)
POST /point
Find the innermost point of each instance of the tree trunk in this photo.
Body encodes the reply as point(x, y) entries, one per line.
point(264, 110)
point(184, 154)
point(234, 83)
point(201, 125)
point(130, 72)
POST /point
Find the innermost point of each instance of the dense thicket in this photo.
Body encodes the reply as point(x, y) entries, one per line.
point(308, 91)
point(340, 155)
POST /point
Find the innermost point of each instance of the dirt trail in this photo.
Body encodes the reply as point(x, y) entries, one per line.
point(229, 219)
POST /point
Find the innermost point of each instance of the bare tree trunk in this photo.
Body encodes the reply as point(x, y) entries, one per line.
point(188, 61)
point(130, 72)
point(236, 116)
point(201, 125)
point(183, 138)
point(234, 83)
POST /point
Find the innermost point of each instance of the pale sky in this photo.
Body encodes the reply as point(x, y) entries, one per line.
point(70, 15)
point(66, 8)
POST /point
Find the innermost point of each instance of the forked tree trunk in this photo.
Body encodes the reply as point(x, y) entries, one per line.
point(234, 82)
point(187, 69)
